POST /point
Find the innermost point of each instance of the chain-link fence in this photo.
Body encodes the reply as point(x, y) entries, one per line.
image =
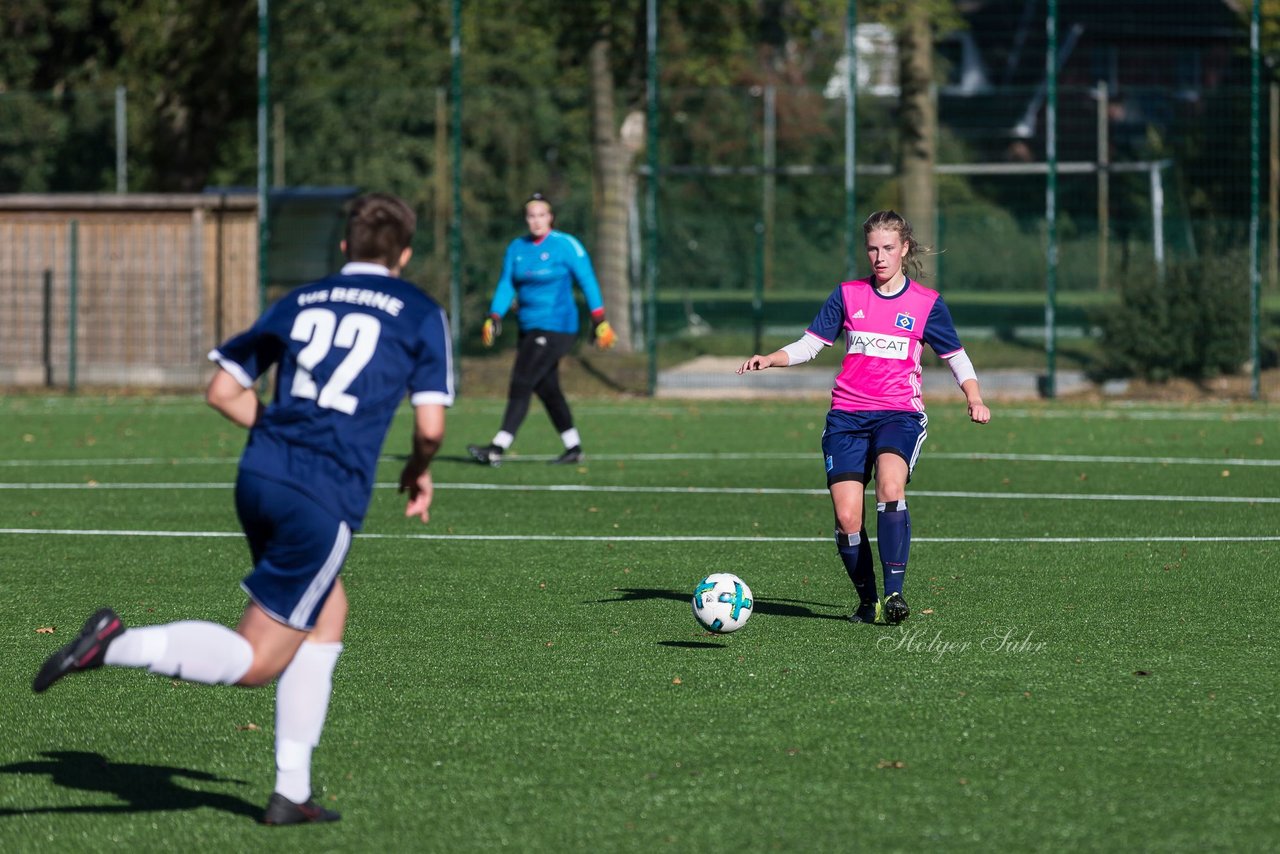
point(1141, 127)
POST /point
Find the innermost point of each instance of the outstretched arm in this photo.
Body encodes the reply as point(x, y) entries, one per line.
point(795, 353)
point(776, 359)
point(428, 433)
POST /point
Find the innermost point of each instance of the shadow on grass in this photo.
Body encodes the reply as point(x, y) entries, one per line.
point(692, 644)
point(772, 607)
point(143, 788)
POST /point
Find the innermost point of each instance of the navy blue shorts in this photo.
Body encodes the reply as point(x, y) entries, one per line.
point(852, 441)
point(298, 549)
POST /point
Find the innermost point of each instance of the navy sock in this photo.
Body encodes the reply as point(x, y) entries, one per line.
point(893, 537)
point(856, 554)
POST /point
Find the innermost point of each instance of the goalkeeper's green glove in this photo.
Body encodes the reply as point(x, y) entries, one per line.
point(491, 330)
point(602, 331)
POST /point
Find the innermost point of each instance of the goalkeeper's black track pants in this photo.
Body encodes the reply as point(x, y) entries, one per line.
point(537, 371)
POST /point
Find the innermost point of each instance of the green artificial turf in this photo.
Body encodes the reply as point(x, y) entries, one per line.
point(1086, 666)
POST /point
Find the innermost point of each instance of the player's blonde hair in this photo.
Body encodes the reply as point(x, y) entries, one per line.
point(891, 220)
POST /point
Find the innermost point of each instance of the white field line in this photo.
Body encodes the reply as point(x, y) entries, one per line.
point(1117, 411)
point(693, 490)
point(124, 461)
point(713, 540)
point(976, 456)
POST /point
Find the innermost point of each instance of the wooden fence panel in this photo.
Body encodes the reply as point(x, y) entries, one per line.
point(158, 282)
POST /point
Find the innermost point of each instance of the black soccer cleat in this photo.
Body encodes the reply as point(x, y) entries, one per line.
point(572, 455)
point(867, 612)
point(86, 652)
point(895, 609)
point(486, 455)
point(281, 810)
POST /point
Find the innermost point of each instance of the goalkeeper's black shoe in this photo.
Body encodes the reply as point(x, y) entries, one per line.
point(895, 609)
point(281, 810)
point(570, 456)
point(867, 612)
point(86, 652)
point(486, 455)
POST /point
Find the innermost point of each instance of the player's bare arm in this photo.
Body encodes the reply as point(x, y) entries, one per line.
point(237, 403)
point(776, 359)
point(796, 353)
point(428, 434)
point(978, 411)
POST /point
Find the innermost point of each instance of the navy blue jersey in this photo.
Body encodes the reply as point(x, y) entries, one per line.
point(539, 276)
point(349, 348)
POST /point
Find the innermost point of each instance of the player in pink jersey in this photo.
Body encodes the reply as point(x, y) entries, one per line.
point(877, 421)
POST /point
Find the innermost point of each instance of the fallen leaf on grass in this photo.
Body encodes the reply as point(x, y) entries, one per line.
point(46, 630)
point(249, 726)
point(677, 681)
point(927, 611)
point(891, 763)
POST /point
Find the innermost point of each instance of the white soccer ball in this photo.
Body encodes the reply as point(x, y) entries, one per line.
point(722, 602)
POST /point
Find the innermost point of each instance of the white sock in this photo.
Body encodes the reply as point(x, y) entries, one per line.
point(503, 439)
point(302, 700)
point(192, 650)
point(571, 438)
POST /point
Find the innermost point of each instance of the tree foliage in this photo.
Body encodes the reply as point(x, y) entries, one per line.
point(188, 71)
point(1194, 323)
point(361, 93)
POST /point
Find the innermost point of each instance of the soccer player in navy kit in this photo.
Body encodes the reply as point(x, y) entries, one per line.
point(538, 273)
point(348, 349)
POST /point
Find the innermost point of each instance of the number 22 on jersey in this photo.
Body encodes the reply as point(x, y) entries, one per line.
point(319, 327)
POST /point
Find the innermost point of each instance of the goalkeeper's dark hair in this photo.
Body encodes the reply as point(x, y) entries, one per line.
point(540, 197)
point(380, 227)
point(890, 220)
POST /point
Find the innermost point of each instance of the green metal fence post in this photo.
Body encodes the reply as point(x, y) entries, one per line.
point(122, 140)
point(264, 151)
point(1051, 202)
point(455, 209)
point(651, 191)
point(757, 294)
point(1255, 176)
point(850, 137)
point(46, 328)
point(73, 298)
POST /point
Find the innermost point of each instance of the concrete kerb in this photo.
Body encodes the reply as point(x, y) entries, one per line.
point(713, 376)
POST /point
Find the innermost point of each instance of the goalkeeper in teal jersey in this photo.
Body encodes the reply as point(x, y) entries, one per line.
point(538, 274)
